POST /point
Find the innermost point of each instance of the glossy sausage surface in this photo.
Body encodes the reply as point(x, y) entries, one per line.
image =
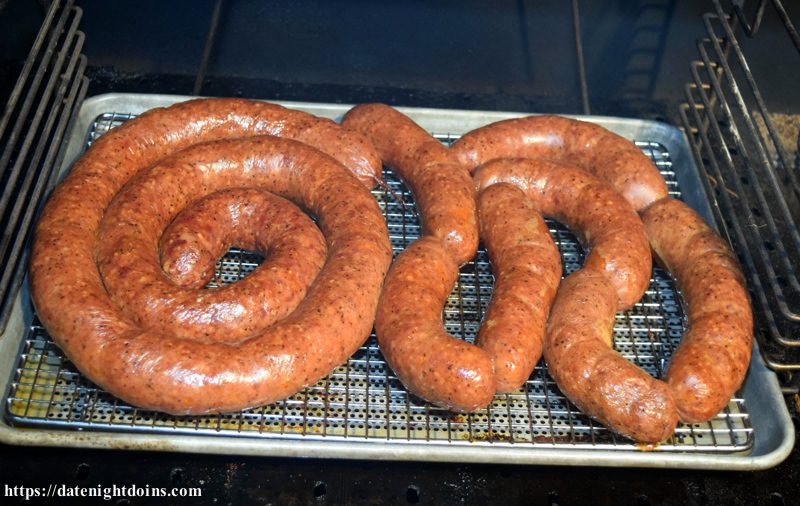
point(592, 209)
point(431, 363)
point(128, 259)
point(605, 154)
point(182, 376)
point(442, 189)
point(711, 362)
point(527, 270)
point(580, 357)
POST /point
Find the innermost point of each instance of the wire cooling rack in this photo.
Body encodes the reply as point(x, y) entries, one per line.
point(363, 399)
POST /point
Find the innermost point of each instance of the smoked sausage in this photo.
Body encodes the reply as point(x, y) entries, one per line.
point(580, 357)
point(182, 376)
point(527, 270)
point(128, 260)
point(711, 361)
point(591, 147)
point(408, 324)
point(589, 207)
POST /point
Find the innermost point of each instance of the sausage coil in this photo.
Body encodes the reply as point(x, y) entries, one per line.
point(187, 160)
point(128, 260)
point(711, 361)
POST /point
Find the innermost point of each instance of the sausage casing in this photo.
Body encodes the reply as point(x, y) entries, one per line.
point(181, 376)
point(579, 354)
point(432, 364)
point(527, 270)
point(605, 154)
point(128, 260)
point(711, 360)
point(442, 190)
point(591, 208)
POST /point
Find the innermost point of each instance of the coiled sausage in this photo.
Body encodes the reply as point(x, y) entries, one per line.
point(128, 260)
point(181, 376)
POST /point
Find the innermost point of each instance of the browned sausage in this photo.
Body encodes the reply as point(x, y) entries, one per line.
point(244, 217)
point(442, 190)
point(578, 343)
point(180, 376)
point(592, 209)
point(591, 147)
point(430, 363)
point(527, 270)
point(129, 264)
point(701, 382)
point(711, 361)
point(579, 354)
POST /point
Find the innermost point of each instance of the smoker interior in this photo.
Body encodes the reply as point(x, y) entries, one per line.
point(636, 59)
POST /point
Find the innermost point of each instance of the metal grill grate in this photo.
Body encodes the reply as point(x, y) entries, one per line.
point(748, 172)
point(363, 399)
point(38, 113)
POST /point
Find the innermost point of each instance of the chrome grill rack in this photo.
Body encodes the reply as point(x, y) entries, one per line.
point(39, 112)
point(749, 174)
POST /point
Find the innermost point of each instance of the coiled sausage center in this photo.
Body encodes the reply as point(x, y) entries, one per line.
point(249, 218)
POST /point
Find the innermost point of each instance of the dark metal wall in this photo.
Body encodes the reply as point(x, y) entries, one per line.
point(513, 55)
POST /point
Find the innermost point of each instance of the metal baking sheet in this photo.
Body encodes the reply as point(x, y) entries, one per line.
point(361, 410)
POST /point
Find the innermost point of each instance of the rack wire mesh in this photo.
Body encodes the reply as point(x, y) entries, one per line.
point(750, 176)
point(40, 108)
point(364, 400)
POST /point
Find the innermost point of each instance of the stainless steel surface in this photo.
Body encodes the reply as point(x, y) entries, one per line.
point(362, 411)
point(37, 113)
point(750, 177)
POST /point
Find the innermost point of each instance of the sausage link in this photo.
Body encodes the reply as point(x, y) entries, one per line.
point(578, 341)
point(430, 363)
point(579, 355)
point(442, 190)
point(711, 361)
point(527, 270)
point(605, 154)
point(119, 154)
point(182, 376)
point(128, 260)
point(591, 208)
